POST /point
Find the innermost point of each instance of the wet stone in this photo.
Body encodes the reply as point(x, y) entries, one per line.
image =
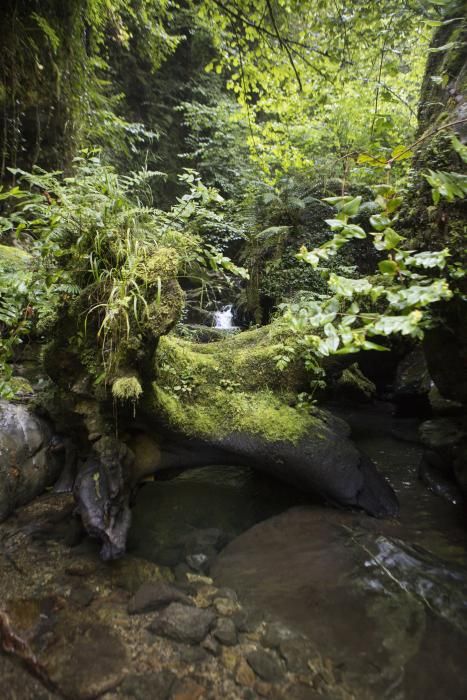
point(266, 665)
point(263, 689)
point(198, 562)
point(181, 571)
point(248, 620)
point(225, 631)
point(85, 660)
point(211, 645)
point(183, 623)
point(17, 684)
point(148, 685)
point(155, 596)
point(225, 606)
point(191, 654)
point(187, 689)
point(206, 538)
point(82, 596)
point(228, 593)
point(244, 674)
point(131, 572)
point(81, 569)
point(296, 655)
point(304, 692)
point(275, 633)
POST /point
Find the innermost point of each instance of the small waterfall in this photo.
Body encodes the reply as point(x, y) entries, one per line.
point(224, 317)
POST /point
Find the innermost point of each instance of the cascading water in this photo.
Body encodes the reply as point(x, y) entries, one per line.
point(224, 317)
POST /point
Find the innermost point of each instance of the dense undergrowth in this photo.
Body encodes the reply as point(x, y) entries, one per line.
point(300, 118)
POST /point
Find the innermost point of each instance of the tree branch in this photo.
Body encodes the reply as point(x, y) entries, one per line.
point(284, 45)
point(236, 14)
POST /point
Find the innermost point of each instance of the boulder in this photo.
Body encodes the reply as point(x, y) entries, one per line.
point(27, 467)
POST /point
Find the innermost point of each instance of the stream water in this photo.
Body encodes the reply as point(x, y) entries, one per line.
point(223, 318)
point(385, 600)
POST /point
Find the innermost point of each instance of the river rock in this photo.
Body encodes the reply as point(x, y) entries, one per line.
point(183, 623)
point(443, 433)
point(18, 684)
point(296, 654)
point(86, 660)
point(266, 665)
point(26, 466)
point(354, 386)
point(148, 685)
point(275, 633)
point(225, 631)
point(155, 596)
point(445, 456)
point(131, 572)
point(188, 689)
point(205, 539)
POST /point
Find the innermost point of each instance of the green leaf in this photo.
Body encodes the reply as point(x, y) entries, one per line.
point(393, 204)
point(388, 267)
point(335, 224)
point(351, 208)
point(401, 153)
point(391, 239)
point(379, 221)
point(375, 161)
point(459, 147)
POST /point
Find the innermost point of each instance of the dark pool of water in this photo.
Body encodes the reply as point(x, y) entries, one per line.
point(386, 600)
point(167, 514)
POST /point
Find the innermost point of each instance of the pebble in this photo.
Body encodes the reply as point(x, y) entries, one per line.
point(225, 606)
point(187, 689)
point(274, 634)
point(155, 596)
point(148, 685)
point(244, 674)
point(265, 665)
point(296, 654)
point(183, 623)
point(225, 631)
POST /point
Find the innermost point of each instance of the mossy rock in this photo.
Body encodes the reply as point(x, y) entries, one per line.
point(353, 385)
point(232, 385)
point(12, 258)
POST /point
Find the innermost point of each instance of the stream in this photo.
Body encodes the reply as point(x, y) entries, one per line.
point(384, 600)
point(278, 597)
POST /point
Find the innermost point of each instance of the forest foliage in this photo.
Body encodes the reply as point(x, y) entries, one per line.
point(131, 126)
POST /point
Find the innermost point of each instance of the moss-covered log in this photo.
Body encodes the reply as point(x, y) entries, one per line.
point(228, 397)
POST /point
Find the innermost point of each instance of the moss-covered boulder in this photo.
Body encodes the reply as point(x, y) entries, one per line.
point(226, 403)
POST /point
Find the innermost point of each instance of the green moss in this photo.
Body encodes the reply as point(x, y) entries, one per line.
point(355, 385)
point(213, 389)
point(161, 265)
point(164, 312)
point(219, 413)
point(13, 258)
point(20, 386)
point(126, 389)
